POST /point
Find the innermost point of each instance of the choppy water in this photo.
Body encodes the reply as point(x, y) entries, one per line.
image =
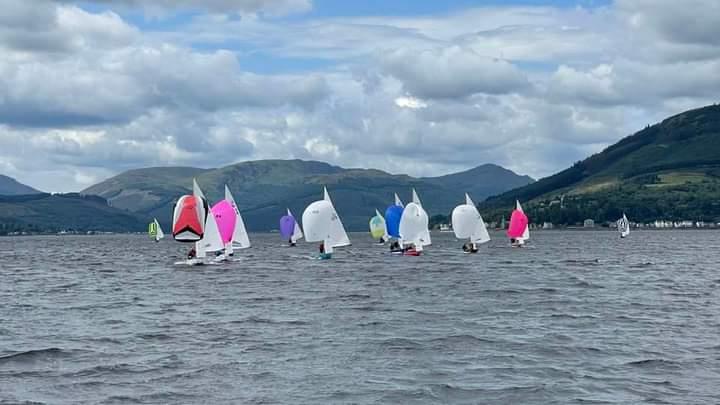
point(578, 317)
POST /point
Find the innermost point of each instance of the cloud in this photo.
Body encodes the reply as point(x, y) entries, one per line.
point(86, 94)
point(270, 7)
point(686, 22)
point(451, 72)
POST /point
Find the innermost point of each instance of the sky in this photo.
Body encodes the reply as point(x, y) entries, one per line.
point(89, 89)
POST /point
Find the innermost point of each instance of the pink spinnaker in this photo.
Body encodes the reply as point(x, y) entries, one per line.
point(225, 217)
point(518, 223)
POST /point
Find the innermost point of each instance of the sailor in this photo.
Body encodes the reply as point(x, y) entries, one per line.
point(192, 253)
point(291, 242)
point(322, 248)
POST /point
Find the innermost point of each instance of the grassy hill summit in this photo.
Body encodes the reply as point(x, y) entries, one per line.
point(670, 170)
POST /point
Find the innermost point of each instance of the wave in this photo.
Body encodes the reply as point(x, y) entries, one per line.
point(36, 354)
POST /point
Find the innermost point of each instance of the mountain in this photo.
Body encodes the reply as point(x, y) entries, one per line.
point(56, 212)
point(10, 186)
point(670, 170)
point(263, 189)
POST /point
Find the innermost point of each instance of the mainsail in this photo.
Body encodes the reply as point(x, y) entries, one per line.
point(240, 238)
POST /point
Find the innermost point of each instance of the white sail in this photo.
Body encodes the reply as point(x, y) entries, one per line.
point(415, 198)
point(197, 191)
point(468, 223)
point(297, 231)
point(385, 237)
point(526, 233)
point(414, 226)
point(623, 226)
point(322, 224)
point(211, 241)
point(340, 237)
point(240, 238)
point(160, 234)
point(398, 201)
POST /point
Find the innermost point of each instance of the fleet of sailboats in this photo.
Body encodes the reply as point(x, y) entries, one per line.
point(218, 231)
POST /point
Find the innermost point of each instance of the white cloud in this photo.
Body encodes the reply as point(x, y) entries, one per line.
point(84, 95)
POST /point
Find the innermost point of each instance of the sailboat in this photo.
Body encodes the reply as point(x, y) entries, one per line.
point(414, 227)
point(240, 238)
point(155, 231)
point(224, 214)
point(518, 230)
point(378, 228)
point(194, 222)
point(468, 223)
point(290, 229)
point(322, 224)
point(623, 226)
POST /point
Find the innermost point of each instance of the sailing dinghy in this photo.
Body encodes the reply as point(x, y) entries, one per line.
point(518, 230)
point(155, 231)
point(322, 224)
point(623, 226)
point(290, 229)
point(467, 223)
point(414, 227)
point(378, 228)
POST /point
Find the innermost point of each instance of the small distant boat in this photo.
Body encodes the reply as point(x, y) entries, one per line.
point(623, 226)
point(518, 230)
point(322, 224)
point(378, 228)
point(468, 223)
point(414, 227)
point(290, 229)
point(155, 231)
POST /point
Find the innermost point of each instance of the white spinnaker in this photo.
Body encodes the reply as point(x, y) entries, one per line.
point(414, 226)
point(624, 226)
point(211, 241)
point(468, 223)
point(240, 238)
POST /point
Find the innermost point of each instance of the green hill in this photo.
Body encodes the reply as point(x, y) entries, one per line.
point(58, 212)
point(670, 170)
point(263, 189)
point(10, 186)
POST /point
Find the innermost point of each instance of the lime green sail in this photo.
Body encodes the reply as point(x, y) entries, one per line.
point(378, 230)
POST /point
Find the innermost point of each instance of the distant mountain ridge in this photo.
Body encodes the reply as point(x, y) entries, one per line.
point(10, 186)
point(42, 212)
point(670, 170)
point(263, 189)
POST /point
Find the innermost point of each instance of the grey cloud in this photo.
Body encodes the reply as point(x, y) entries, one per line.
point(452, 72)
point(688, 21)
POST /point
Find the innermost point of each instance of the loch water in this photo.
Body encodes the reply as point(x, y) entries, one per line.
point(576, 317)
